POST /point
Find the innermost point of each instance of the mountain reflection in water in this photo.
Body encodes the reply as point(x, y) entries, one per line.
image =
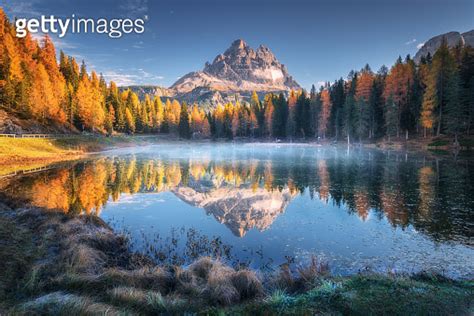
point(251, 189)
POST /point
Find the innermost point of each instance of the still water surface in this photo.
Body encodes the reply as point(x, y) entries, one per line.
point(266, 205)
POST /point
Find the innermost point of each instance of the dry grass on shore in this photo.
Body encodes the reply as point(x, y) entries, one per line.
point(30, 153)
point(64, 265)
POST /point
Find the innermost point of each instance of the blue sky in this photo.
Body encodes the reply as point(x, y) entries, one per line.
point(317, 40)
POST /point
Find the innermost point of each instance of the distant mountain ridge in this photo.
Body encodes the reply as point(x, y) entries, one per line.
point(235, 74)
point(152, 90)
point(452, 38)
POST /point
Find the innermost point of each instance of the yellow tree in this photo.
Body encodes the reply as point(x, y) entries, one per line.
point(159, 113)
point(129, 121)
point(427, 115)
point(89, 102)
point(11, 55)
point(235, 119)
point(324, 113)
point(174, 111)
point(268, 114)
point(41, 97)
point(364, 85)
point(197, 120)
point(47, 57)
point(398, 86)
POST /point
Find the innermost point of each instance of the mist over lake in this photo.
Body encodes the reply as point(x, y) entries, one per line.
point(264, 205)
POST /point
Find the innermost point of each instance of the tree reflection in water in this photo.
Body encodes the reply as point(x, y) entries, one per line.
point(435, 196)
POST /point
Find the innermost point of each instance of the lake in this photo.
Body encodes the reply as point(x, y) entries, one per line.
point(264, 205)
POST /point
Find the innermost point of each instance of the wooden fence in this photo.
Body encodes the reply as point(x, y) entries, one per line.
point(34, 135)
point(27, 171)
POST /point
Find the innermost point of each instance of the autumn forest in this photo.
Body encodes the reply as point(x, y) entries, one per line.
point(433, 97)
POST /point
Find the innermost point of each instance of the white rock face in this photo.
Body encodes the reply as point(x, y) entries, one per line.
point(239, 70)
point(240, 209)
point(452, 38)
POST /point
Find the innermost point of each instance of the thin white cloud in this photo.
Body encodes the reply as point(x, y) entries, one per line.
point(21, 8)
point(120, 79)
point(138, 45)
point(149, 76)
point(419, 46)
point(58, 43)
point(134, 77)
point(320, 83)
point(412, 41)
point(62, 44)
point(134, 7)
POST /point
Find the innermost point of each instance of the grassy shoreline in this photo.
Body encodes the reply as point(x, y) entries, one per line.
point(18, 151)
point(59, 264)
point(29, 153)
point(15, 150)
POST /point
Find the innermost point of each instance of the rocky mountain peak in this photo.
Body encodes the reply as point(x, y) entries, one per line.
point(240, 70)
point(452, 39)
point(241, 63)
point(238, 44)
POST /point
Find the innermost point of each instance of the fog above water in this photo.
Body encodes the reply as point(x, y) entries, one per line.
point(264, 204)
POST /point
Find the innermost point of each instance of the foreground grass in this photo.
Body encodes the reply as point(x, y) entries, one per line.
point(374, 295)
point(56, 264)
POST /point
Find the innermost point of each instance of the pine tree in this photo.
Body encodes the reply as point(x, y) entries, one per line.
point(398, 84)
point(280, 116)
point(338, 98)
point(391, 117)
point(361, 118)
point(183, 129)
point(362, 111)
point(376, 103)
point(303, 126)
point(442, 70)
point(290, 122)
point(456, 113)
point(269, 110)
point(411, 115)
point(315, 105)
point(466, 77)
point(349, 106)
